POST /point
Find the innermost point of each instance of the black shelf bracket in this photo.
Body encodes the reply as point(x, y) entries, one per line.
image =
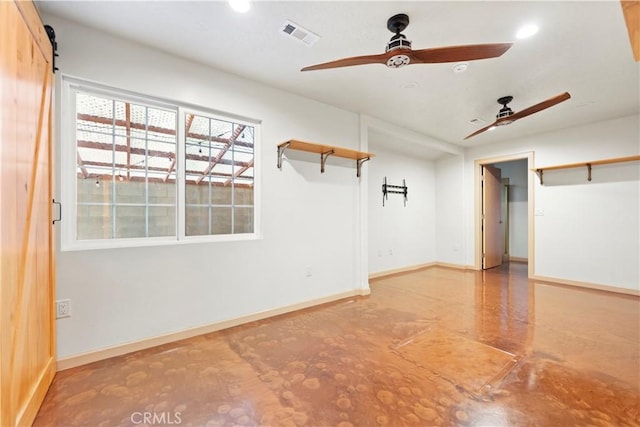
point(324, 151)
point(540, 172)
point(323, 159)
point(395, 189)
point(589, 166)
point(359, 163)
point(281, 149)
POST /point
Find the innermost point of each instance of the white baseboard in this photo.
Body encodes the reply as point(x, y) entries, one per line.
point(411, 268)
point(407, 269)
point(586, 285)
point(518, 259)
point(120, 349)
point(455, 266)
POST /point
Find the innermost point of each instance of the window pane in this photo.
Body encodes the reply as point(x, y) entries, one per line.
point(243, 194)
point(93, 190)
point(125, 165)
point(162, 221)
point(221, 220)
point(94, 222)
point(243, 220)
point(132, 190)
point(130, 222)
point(197, 220)
point(163, 193)
point(196, 194)
point(220, 193)
point(219, 176)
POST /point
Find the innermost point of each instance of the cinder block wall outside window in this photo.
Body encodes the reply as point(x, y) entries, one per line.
point(95, 221)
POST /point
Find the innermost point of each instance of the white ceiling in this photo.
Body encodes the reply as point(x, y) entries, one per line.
point(582, 48)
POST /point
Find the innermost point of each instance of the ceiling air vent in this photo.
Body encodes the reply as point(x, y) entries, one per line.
point(301, 34)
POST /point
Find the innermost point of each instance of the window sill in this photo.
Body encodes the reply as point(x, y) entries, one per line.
point(89, 245)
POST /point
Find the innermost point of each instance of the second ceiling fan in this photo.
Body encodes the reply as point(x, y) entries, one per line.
point(506, 116)
point(399, 53)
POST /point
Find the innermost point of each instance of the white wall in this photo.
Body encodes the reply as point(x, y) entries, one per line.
point(590, 230)
point(400, 236)
point(517, 173)
point(450, 207)
point(308, 219)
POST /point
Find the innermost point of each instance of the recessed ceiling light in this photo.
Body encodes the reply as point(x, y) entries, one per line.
point(241, 6)
point(526, 31)
point(460, 67)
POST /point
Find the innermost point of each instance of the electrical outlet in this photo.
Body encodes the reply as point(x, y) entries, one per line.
point(308, 271)
point(63, 308)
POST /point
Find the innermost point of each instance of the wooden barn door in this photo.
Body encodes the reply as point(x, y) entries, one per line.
point(27, 337)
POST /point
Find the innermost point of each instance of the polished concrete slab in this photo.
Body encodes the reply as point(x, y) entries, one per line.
point(446, 354)
point(437, 346)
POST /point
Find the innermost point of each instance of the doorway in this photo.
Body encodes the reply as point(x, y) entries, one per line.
point(504, 214)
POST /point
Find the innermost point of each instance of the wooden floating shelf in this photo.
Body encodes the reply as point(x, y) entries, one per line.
point(588, 165)
point(325, 151)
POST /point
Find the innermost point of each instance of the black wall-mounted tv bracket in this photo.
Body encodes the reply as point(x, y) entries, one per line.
point(52, 38)
point(397, 189)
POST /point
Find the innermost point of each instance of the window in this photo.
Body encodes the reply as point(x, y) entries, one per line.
point(126, 182)
point(142, 171)
point(219, 176)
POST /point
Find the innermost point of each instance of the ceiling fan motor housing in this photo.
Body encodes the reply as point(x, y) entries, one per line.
point(398, 42)
point(396, 24)
point(504, 111)
point(397, 61)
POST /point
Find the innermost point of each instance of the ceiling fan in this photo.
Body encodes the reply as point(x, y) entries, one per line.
point(399, 53)
point(506, 116)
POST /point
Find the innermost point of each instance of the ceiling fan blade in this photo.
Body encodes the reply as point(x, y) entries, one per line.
point(348, 62)
point(631, 11)
point(458, 53)
point(484, 129)
point(540, 106)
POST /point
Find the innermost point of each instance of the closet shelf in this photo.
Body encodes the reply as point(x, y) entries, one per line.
point(588, 165)
point(325, 151)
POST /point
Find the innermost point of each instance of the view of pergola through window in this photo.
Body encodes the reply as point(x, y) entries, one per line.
point(127, 164)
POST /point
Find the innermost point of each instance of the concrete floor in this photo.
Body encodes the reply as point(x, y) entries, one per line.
point(434, 347)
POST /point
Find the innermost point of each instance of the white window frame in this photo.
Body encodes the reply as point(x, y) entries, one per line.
point(68, 175)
